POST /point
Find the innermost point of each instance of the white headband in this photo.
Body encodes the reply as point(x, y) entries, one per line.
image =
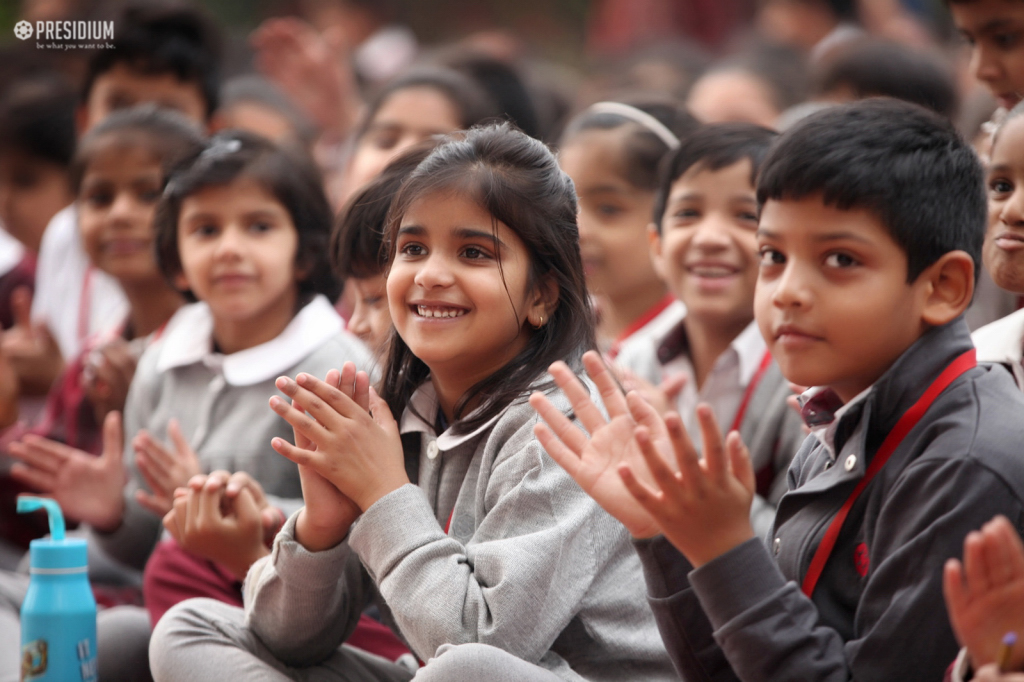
point(637, 116)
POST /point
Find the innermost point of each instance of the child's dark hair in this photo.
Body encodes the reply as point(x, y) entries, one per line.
point(163, 38)
point(288, 175)
point(516, 179)
point(879, 68)
point(169, 136)
point(37, 119)
point(714, 147)
point(472, 102)
point(905, 164)
point(357, 242)
point(643, 149)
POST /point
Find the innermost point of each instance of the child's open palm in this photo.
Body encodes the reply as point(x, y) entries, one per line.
point(88, 488)
point(593, 460)
point(164, 469)
point(346, 435)
point(703, 507)
point(985, 594)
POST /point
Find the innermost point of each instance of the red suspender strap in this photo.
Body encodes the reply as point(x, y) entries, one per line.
point(85, 306)
point(639, 323)
point(749, 393)
point(892, 441)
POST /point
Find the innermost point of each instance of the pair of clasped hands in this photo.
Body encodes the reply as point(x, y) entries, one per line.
point(349, 453)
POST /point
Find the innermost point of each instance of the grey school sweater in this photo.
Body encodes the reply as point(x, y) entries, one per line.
point(531, 564)
point(221, 403)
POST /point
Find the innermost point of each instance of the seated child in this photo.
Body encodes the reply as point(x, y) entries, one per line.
point(358, 251)
point(243, 227)
point(704, 246)
point(872, 221)
point(164, 54)
point(1002, 341)
point(37, 140)
point(991, 28)
point(496, 563)
point(118, 172)
point(611, 151)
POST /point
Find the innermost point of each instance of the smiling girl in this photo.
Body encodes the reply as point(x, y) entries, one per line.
point(487, 558)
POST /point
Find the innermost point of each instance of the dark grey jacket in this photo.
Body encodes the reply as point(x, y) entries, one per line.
point(878, 611)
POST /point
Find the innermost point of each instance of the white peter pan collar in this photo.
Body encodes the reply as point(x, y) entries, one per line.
point(189, 339)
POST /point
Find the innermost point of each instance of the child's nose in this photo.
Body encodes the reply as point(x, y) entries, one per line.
point(1012, 214)
point(230, 242)
point(434, 271)
point(792, 288)
point(985, 64)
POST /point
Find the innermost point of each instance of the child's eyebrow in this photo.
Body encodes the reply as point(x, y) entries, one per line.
point(995, 25)
point(826, 237)
point(411, 229)
point(468, 233)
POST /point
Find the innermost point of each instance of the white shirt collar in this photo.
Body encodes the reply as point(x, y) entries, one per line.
point(826, 433)
point(424, 402)
point(189, 339)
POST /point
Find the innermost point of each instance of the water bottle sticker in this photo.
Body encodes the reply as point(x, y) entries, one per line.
point(33, 659)
point(83, 649)
point(88, 666)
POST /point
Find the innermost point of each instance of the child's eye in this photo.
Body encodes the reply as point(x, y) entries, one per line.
point(1005, 41)
point(747, 216)
point(150, 196)
point(770, 256)
point(687, 214)
point(474, 253)
point(1000, 186)
point(608, 211)
point(373, 301)
point(412, 250)
point(99, 199)
point(840, 260)
point(206, 230)
point(260, 226)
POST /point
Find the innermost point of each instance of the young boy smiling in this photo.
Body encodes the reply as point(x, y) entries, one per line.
point(704, 246)
point(871, 224)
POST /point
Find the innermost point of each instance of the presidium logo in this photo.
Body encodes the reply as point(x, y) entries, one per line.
point(81, 34)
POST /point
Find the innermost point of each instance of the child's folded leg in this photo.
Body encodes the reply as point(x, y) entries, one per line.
point(122, 644)
point(472, 662)
point(198, 631)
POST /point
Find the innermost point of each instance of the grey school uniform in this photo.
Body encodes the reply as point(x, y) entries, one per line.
point(878, 611)
point(531, 568)
point(221, 403)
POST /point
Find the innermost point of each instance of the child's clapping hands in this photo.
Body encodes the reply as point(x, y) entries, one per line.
point(644, 469)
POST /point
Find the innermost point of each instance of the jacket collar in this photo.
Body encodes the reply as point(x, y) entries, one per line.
point(749, 346)
point(189, 340)
point(907, 379)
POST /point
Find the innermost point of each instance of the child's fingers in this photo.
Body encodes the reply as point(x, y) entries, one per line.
point(566, 458)
point(301, 421)
point(323, 401)
point(380, 411)
point(953, 589)
point(37, 458)
point(362, 394)
point(298, 455)
point(563, 429)
point(686, 455)
point(663, 475)
point(647, 498)
point(152, 465)
point(643, 413)
point(52, 450)
point(239, 481)
point(158, 481)
point(610, 392)
point(347, 382)
point(157, 505)
point(579, 397)
point(170, 524)
point(739, 461)
point(997, 556)
point(209, 502)
point(145, 444)
point(40, 481)
point(975, 569)
point(1007, 534)
point(711, 437)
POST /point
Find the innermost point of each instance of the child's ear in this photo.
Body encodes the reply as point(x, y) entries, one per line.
point(544, 302)
point(949, 288)
point(654, 243)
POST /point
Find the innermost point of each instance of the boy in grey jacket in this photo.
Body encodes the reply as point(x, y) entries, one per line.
point(871, 224)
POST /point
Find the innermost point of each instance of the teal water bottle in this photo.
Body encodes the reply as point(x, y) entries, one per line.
point(58, 616)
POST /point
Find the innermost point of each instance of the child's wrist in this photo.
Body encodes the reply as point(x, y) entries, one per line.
point(723, 544)
point(317, 538)
point(383, 488)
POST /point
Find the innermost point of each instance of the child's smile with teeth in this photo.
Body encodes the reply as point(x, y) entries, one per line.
point(439, 311)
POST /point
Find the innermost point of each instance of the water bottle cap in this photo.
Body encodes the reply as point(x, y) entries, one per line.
point(56, 551)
